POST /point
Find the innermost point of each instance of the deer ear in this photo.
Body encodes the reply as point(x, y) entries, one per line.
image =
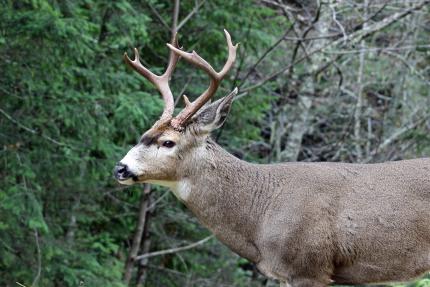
point(213, 116)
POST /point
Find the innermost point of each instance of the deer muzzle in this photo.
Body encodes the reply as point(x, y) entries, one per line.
point(122, 173)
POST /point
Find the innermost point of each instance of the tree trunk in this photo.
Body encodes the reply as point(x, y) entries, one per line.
point(360, 85)
point(145, 246)
point(137, 238)
point(299, 127)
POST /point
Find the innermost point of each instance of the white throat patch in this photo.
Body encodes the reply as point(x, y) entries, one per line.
point(181, 189)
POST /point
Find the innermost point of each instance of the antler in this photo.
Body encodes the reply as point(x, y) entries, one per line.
point(216, 77)
point(160, 82)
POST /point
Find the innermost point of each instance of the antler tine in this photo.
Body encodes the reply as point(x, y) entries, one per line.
point(231, 55)
point(216, 77)
point(138, 67)
point(160, 82)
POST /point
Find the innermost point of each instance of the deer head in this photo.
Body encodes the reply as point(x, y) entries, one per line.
point(173, 140)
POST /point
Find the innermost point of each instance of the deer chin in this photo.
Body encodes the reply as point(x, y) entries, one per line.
point(181, 188)
point(142, 179)
point(128, 181)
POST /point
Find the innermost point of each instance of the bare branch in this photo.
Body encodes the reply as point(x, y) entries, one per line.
point(357, 36)
point(174, 28)
point(191, 14)
point(342, 29)
point(376, 49)
point(334, 35)
point(270, 49)
point(281, 5)
point(158, 16)
point(353, 38)
point(396, 135)
point(30, 130)
point(174, 250)
point(39, 259)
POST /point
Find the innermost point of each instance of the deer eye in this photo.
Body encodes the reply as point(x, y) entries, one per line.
point(168, 144)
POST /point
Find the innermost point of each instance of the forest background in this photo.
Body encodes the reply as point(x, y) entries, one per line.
point(318, 81)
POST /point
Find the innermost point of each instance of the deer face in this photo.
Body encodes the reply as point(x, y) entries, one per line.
point(161, 152)
point(153, 158)
point(173, 140)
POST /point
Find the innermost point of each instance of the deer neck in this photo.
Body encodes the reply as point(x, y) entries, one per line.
point(221, 191)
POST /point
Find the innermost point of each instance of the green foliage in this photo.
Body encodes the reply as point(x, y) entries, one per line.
point(74, 110)
point(77, 108)
point(420, 283)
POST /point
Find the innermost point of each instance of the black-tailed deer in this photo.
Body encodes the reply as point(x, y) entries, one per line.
point(305, 224)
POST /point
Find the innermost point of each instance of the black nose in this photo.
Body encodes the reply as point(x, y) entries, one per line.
point(121, 172)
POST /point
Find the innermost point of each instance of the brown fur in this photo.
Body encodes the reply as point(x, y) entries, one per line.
point(317, 222)
point(308, 224)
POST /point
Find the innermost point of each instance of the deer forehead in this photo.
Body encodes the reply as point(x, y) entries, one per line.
point(156, 136)
point(171, 135)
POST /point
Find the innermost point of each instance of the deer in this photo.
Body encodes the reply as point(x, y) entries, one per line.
point(301, 223)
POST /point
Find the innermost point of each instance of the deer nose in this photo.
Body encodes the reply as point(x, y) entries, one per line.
point(121, 172)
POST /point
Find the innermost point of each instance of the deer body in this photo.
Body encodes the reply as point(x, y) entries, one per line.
point(305, 224)
point(347, 223)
